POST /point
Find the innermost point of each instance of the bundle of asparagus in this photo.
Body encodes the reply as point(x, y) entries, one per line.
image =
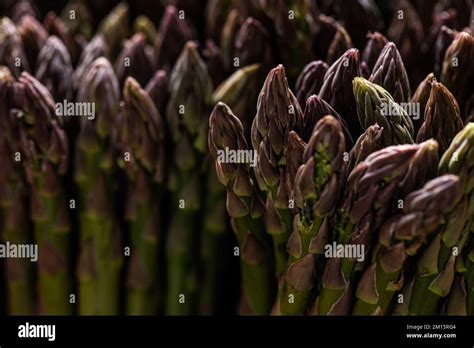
point(159, 159)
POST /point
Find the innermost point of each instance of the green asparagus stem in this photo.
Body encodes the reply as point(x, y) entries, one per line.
point(15, 222)
point(400, 238)
point(187, 115)
point(389, 72)
point(370, 190)
point(442, 120)
point(45, 147)
point(142, 138)
point(278, 113)
point(214, 247)
point(101, 254)
point(436, 267)
point(317, 186)
point(245, 209)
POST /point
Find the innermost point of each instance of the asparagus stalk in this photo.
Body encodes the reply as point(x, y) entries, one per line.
point(442, 120)
point(315, 109)
point(376, 105)
point(421, 96)
point(11, 48)
point(369, 142)
point(317, 186)
point(389, 72)
point(33, 36)
point(436, 267)
point(278, 113)
point(310, 80)
point(240, 92)
point(114, 27)
point(374, 46)
point(457, 69)
point(337, 88)
point(55, 69)
point(170, 39)
point(101, 257)
point(191, 89)
point(461, 297)
point(245, 209)
point(45, 146)
point(94, 49)
point(142, 138)
point(253, 44)
point(134, 61)
point(15, 224)
point(400, 238)
point(214, 247)
point(371, 188)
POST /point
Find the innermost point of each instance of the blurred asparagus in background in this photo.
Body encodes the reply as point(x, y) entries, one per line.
point(46, 156)
point(101, 253)
point(187, 115)
point(15, 226)
point(142, 138)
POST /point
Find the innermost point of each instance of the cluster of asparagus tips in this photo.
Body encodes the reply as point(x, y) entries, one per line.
point(370, 190)
point(400, 238)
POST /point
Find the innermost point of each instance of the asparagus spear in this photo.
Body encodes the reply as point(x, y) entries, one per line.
point(374, 46)
point(442, 120)
point(421, 97)
point(370, 190)
point(400, 238)
point(337, 88)
point(157, 88)
point(101, 257)
point(317, 186)
point(369, 142)
point(457, 69)
point(114, 27)
point(145, 25)
point(142, 137)
point(94, 49)
point(11, 48)
point(190, 96)
point(278, 113)
point(253, 44)
point(245, 209)
point(134, 61)
point(15, 223)
point(240, 92)
point(315, 109)
point(436, 267)
point(376, 105)
point(310, 80)
point(214, 249)
point(33, 36)
point(170, 39)
point(461, 297)
point(389, 72)
point(54, 69)
point(46, 152)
